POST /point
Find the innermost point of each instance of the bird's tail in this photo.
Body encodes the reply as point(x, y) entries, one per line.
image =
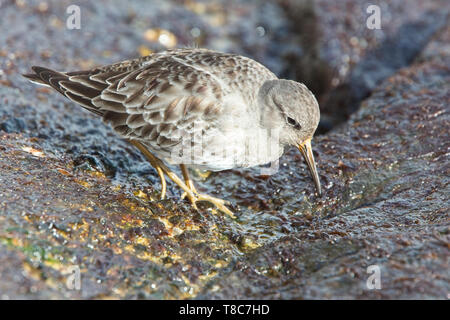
point(35, 79)
point(64, 83)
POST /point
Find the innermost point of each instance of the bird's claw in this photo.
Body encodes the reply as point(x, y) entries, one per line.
point(220, 204)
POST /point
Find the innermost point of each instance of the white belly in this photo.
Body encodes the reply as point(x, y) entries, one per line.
point(219, 150)
point(234, 140)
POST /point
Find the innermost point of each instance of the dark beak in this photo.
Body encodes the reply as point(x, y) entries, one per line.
point(306, 150)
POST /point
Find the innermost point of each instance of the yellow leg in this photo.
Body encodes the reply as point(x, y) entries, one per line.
point(163, 182)
point(219, 203)
point(161, 169)
point(188, 187)
point(187, 179)
point(155, 165)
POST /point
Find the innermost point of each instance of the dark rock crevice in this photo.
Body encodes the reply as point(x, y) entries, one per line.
point(396, 52)
point(308, 66)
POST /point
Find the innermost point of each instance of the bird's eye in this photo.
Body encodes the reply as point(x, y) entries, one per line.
point(293, 123)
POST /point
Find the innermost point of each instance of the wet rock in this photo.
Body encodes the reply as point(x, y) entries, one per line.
point(341, 59)
point(96, 162)
point(395, 52)
point(72, 195)
point(13, 125)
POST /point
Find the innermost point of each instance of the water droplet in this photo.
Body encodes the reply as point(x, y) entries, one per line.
point(261, 31)
point(195, 32)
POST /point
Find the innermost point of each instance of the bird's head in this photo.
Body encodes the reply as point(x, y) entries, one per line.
point(291, 109)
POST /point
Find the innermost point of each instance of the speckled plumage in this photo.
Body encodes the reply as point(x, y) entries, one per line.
point(158, 99)
point(196, 106)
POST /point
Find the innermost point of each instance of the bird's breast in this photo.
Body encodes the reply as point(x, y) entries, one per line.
point(225, 148)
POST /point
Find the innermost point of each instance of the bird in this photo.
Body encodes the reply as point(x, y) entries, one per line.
point(196, 108)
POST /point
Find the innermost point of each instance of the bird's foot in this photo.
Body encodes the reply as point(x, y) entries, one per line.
point(188, 187)
point(220, 204)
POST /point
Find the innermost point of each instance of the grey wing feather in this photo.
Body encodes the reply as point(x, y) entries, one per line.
point(153, 99)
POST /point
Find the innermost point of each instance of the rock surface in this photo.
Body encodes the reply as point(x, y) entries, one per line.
point(341, 60)
point(72, 195)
